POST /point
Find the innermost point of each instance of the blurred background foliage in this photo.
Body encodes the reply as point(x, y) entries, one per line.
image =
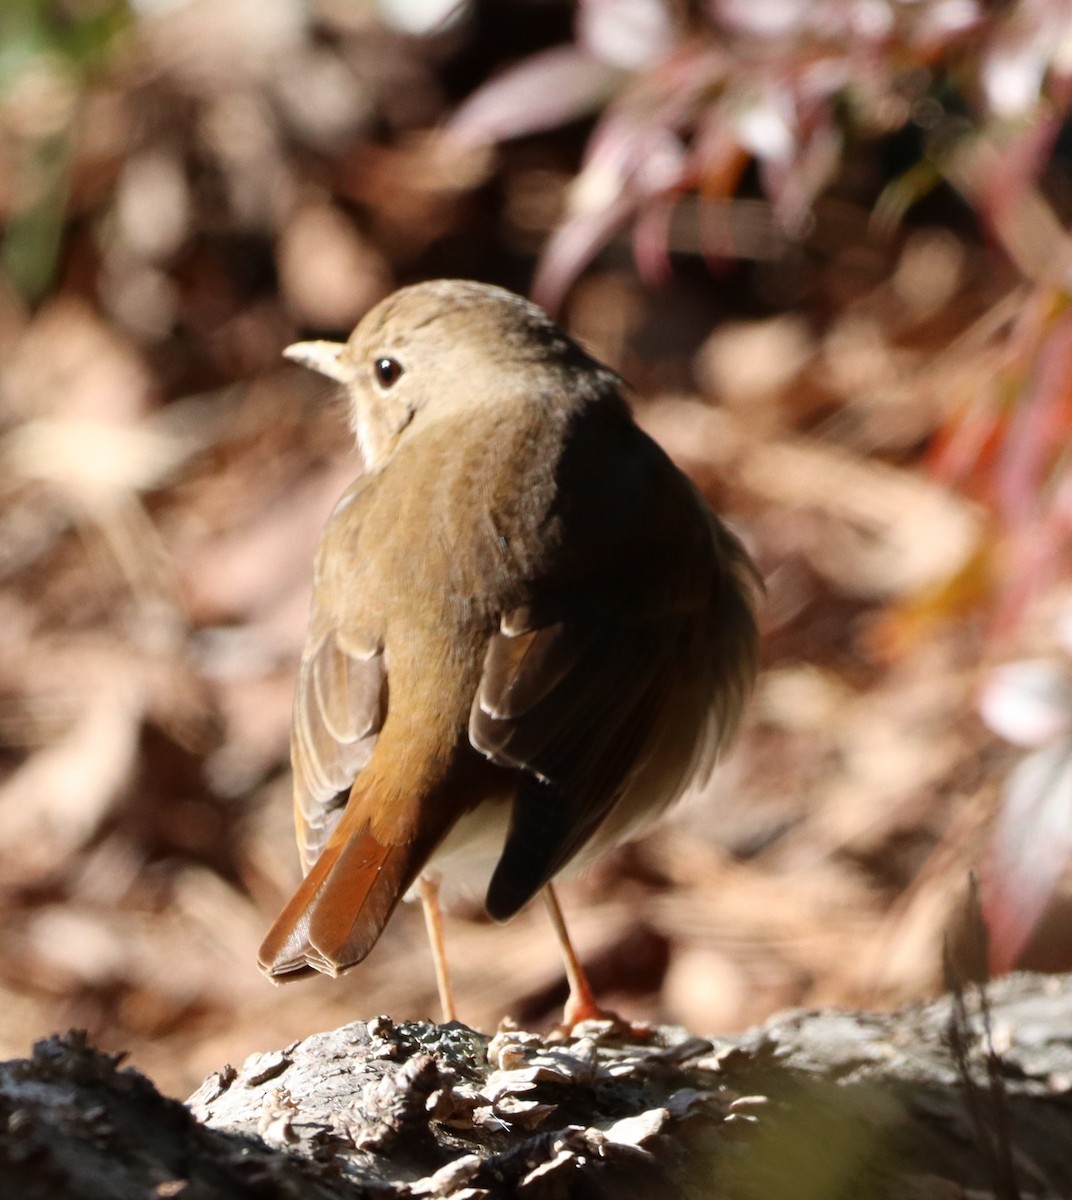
point(828, 245)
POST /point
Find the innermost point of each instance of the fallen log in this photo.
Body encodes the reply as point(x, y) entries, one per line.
point(957, 1095)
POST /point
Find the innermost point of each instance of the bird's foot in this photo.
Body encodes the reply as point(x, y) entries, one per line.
point(583, 1010)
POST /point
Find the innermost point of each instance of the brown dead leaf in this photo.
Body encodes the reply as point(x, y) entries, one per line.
point(881, 532)
point(56, 801)
point(329, 274)
point(249, 570)
point(70, 364)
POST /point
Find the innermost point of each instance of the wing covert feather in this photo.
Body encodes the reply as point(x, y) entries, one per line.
point(339, 709)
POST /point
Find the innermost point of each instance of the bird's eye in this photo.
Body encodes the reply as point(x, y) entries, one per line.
point(388, 371)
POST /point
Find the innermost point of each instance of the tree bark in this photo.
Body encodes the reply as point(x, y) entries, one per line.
point(921, 1103)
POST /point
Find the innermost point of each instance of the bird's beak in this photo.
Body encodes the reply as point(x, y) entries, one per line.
point(325, 357)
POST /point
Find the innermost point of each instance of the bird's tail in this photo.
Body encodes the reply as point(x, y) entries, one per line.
point(338, 912)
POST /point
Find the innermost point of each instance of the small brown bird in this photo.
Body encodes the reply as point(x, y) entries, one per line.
point(529, 632)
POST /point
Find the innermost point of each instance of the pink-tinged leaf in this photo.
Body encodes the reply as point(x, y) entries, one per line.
point(1063, 624)
point(941, 21)
point(1028, 703)
point(1028, 40)
point(651, 241)
point(818, 81)
point(625, 33)
point(613, 152)
point(660, 165)
point(688, 81)
point(1029, 850)
point(1034, 560)
point(840, 21)
point(998, 178)
point(767, 126)
point(421, 18)
point(1040, 428)
point(869, 20)
point(1012, 77)
point(795, 185)
point(572, 247)
point(542, 92)
point(1020, 160)
point(761, 18)
point(628, 163)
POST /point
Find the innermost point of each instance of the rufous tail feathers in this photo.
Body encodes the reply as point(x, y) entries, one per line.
point(338, 912)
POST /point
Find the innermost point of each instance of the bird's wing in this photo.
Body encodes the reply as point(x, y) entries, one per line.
point(651, 605)
point(568, 704)
point(339, 708)
point(340, 705)
point(340, 699)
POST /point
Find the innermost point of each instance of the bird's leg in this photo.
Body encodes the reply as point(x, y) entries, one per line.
point(433, 921)
point(581, 1004)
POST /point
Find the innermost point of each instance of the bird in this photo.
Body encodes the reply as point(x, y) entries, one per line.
point(529, 633)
